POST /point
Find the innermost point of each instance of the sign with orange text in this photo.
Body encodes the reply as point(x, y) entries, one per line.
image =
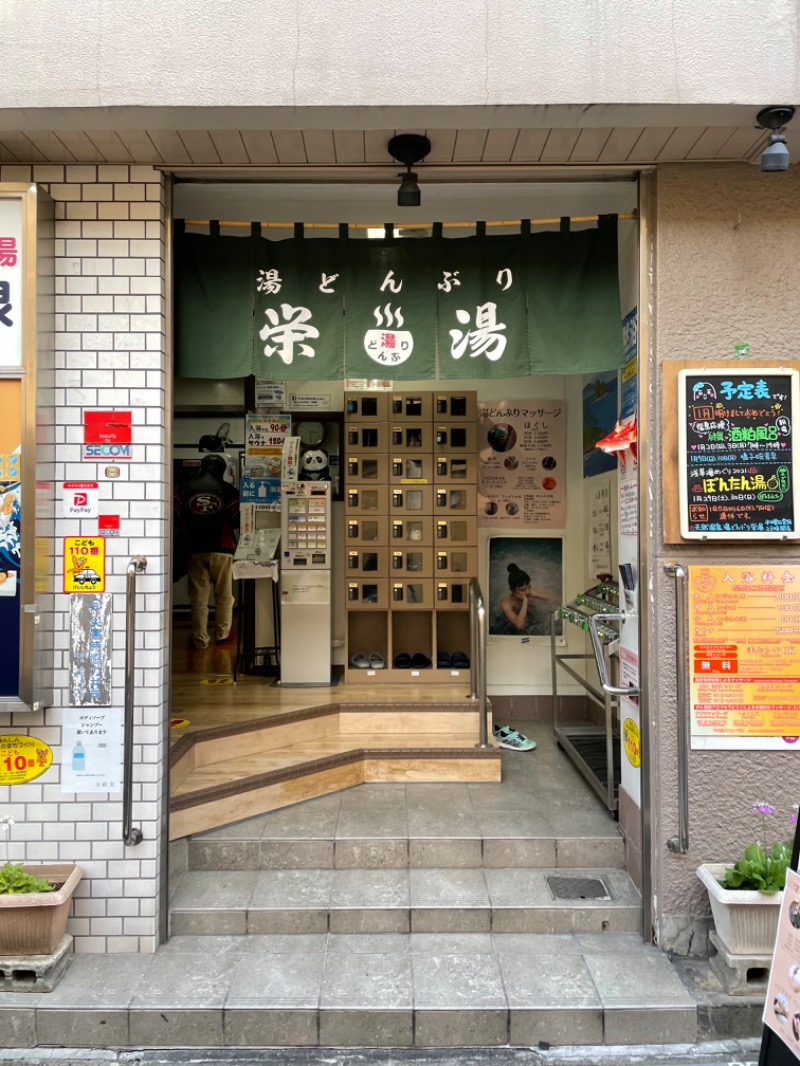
point(84, 564)
point(744, 655)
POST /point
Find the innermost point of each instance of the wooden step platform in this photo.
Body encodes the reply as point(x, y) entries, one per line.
point(226, 773)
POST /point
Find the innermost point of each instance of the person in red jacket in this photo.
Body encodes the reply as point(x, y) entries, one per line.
point(209, 529)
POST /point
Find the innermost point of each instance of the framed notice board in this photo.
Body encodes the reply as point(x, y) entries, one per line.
point(738, 453)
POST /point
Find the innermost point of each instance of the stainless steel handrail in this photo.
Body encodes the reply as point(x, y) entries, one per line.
point(612, 690)
point(137, 565)
point(680, 843)
point(477, 650)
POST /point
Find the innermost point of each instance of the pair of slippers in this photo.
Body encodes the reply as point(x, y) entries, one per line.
point(457, 661)
point(417, 661)
point(361, 661)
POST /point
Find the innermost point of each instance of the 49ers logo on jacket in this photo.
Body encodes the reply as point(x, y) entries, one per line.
point(205, 503)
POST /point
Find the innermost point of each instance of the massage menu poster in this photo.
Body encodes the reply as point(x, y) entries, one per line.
point(737, 455)
point(744, 655)
point(522, 470)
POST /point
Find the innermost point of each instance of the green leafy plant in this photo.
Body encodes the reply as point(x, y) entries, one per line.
point(762, 867)
point(13, 879)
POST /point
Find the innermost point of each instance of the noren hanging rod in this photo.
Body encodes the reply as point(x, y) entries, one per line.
point(403, 225)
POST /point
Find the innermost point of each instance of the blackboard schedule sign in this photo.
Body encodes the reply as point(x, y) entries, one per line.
point(737, 454)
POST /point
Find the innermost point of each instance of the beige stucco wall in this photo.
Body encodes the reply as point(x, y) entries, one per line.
point(727, 245)
point(373, 53)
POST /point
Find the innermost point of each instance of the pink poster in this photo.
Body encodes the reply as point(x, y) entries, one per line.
point(782, 1005)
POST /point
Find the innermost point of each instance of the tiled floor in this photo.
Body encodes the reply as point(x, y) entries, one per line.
point(394, 916)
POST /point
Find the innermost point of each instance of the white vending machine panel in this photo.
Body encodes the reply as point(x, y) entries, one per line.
point(306, 525)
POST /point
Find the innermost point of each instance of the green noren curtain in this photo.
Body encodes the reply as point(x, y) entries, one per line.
point(404, 309)
point(390, 321)
point(214, 302)
point(574, 324)
point(299, 323)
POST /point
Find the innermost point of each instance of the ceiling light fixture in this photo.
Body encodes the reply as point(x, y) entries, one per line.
point(408, 149)
point(775, 156)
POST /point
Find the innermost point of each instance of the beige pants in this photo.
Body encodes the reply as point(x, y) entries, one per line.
point(207, 569)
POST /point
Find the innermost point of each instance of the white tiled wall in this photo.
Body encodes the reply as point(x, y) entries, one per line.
point(110, 353)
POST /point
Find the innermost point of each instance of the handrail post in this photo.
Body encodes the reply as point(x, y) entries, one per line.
point(137, 565)
point(477, 635)
point(474, 592)
point(680, 843)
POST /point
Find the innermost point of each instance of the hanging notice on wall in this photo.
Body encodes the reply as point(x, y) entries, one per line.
point(628, 496)
point(600, 526)
point(90, 650)
point(522, 475)
point(744, 636)
point(737, 453)
point(91, 746)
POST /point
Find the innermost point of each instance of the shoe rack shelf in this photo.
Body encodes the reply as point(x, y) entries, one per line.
point(410, 534)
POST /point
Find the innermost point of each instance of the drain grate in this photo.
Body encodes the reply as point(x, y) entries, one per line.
point(578, 888)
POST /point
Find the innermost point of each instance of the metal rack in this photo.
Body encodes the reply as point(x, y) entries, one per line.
point(595, 750)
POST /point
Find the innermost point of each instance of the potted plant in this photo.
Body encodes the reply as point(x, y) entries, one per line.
point(745, 897)
point(34, 903)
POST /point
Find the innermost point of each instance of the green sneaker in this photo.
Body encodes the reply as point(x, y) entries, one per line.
point(507, 737)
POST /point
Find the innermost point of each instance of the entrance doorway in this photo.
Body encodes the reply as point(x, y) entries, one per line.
point(542, 678)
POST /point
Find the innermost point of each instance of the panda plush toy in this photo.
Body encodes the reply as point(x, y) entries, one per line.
point(314, 465)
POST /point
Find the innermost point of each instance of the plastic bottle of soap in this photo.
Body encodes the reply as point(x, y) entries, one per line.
point(78, 757)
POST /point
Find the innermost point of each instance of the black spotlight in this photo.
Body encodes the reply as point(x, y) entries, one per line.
point(408, 149)
point(775, 156)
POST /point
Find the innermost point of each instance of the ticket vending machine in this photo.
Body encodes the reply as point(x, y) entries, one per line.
point(306, 583)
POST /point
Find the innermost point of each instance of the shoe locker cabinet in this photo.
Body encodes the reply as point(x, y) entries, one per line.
point(410, 476)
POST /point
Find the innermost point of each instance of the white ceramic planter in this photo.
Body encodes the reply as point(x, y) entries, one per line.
point(746, 921)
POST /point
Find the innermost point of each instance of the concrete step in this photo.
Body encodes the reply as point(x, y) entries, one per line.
point(417, 990)
point(429, 900)
point(216, 851)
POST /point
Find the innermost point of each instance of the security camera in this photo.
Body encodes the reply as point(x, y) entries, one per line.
point(776, 155)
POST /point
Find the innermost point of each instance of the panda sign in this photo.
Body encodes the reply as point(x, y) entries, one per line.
point(314, 465)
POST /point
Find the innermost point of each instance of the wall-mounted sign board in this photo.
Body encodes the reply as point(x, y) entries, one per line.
point(738, 452)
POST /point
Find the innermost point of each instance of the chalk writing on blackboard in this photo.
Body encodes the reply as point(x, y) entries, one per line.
point(737, 460)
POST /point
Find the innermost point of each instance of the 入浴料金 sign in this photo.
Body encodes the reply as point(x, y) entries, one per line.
point(737, 453)
point(744, 636)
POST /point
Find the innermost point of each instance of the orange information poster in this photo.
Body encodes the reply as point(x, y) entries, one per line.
point(744, 655)
point(782, 1005)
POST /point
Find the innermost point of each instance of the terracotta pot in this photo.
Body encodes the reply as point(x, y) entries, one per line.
point(33, 923)
point(746, 920)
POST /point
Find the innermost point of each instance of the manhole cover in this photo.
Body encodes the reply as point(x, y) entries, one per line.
point(578, 888)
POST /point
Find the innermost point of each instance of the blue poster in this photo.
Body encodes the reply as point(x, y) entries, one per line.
point(630, 376)
point(600, 405)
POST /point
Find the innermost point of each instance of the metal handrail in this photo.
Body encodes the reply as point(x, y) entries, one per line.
point(477, 649)
point(612, 690)
point(137, 565)
point(680, 843)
